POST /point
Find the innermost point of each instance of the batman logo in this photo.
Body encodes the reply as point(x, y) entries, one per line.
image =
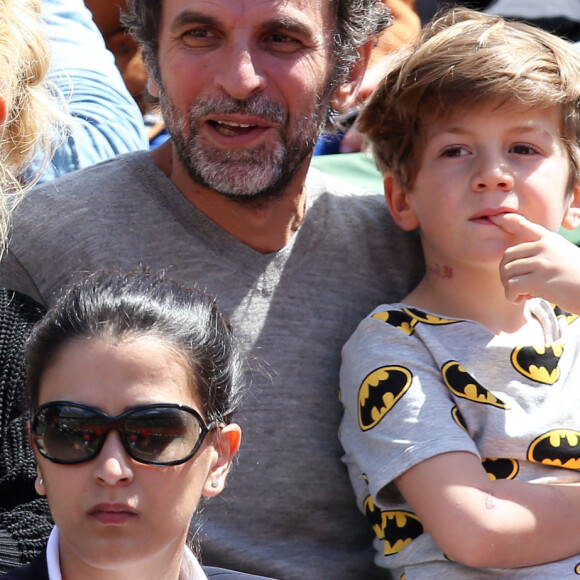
point(458, 418)
point(403, 577)
point(558, 448)
point(502, 468)
point(408, 318)
point(539, 363)
point(577, 569)
point(570, 318)
point(462, 384)
point(396, 528)
point(379, 392)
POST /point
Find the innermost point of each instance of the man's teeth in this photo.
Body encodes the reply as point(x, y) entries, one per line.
point(230, 129)
point(232, 124)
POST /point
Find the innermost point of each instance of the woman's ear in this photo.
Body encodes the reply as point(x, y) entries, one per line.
point(228, 442)
point(571, 219)
point(399, 204)
point(39, 484)
point(344, 96)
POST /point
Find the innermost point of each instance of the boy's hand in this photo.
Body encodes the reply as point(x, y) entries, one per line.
point(539, 263)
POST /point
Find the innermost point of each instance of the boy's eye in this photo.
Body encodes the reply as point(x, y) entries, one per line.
point(523, 149)
point(454, 151)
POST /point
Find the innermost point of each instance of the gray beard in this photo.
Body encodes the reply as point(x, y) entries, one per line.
point(246, 175)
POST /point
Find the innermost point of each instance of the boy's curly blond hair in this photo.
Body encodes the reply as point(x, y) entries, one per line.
point(465, 59)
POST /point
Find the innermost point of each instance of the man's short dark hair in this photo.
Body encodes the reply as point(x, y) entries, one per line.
point(356, 22)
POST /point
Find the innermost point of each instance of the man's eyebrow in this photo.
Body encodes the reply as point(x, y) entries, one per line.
point(189, 17)
point(283, 23)
point(287, 24)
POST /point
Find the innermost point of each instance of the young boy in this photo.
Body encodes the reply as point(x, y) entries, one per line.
point(462, 403)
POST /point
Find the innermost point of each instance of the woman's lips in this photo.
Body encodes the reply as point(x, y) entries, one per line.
point(112, 514)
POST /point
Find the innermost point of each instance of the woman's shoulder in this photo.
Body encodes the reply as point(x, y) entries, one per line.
point(36, 570)
point(216, 573)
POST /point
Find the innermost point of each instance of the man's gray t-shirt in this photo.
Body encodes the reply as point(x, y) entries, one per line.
point(288, 510)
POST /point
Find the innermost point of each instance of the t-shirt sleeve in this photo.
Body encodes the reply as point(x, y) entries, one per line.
point(397, 409)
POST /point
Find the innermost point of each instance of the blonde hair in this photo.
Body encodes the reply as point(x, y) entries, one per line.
point(463, 59)
point(32, 117)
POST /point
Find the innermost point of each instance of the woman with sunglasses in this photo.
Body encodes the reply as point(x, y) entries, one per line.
point(133, 381)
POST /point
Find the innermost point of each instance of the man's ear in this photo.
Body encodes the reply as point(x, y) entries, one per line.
point(230, 437)
point(344, 95)
point(571, 219)
point(399, 204)
point(153, 88)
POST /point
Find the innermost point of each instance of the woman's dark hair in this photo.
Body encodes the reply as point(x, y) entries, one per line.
point(120, 305)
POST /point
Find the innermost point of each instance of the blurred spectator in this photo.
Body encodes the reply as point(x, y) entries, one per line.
point(562, 17)
point(404, 30)
point(127, 53)
point(89, 86)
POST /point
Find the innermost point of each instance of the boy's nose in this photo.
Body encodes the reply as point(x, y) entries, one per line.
point(492, 174)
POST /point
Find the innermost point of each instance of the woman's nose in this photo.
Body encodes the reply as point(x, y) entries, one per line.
point(113, 466)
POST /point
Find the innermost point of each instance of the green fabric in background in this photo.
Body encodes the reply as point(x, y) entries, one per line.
point(360, 170)
point(356, 168)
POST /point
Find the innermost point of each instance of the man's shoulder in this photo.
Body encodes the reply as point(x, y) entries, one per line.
point(99, 178)
point(103, 185)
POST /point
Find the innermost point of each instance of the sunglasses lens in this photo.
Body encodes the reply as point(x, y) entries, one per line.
point(68, 434)
point(161, 435)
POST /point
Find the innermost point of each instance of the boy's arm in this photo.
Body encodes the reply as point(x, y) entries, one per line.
point(496, 524)
point(540, 263)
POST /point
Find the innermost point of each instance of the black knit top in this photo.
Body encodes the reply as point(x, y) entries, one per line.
point(25, 521)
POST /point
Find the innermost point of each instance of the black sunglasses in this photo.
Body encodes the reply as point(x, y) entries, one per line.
point(157, 434)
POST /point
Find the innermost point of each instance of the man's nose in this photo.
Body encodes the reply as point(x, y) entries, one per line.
point(240, 76)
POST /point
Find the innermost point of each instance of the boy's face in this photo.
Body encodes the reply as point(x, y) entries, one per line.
point(482, 163)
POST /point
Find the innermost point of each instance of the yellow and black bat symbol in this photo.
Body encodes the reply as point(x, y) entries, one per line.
point(408, 318)
point(458, 418)
point(539, 363)
point(403, 576)
point(557, 448)
point(379, 392)
point(500, 468)
point(570, 318)
point(462, 384)
point(577, 569)
point(397, 528)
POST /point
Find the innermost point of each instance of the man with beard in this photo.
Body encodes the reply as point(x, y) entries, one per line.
point(295, 258)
